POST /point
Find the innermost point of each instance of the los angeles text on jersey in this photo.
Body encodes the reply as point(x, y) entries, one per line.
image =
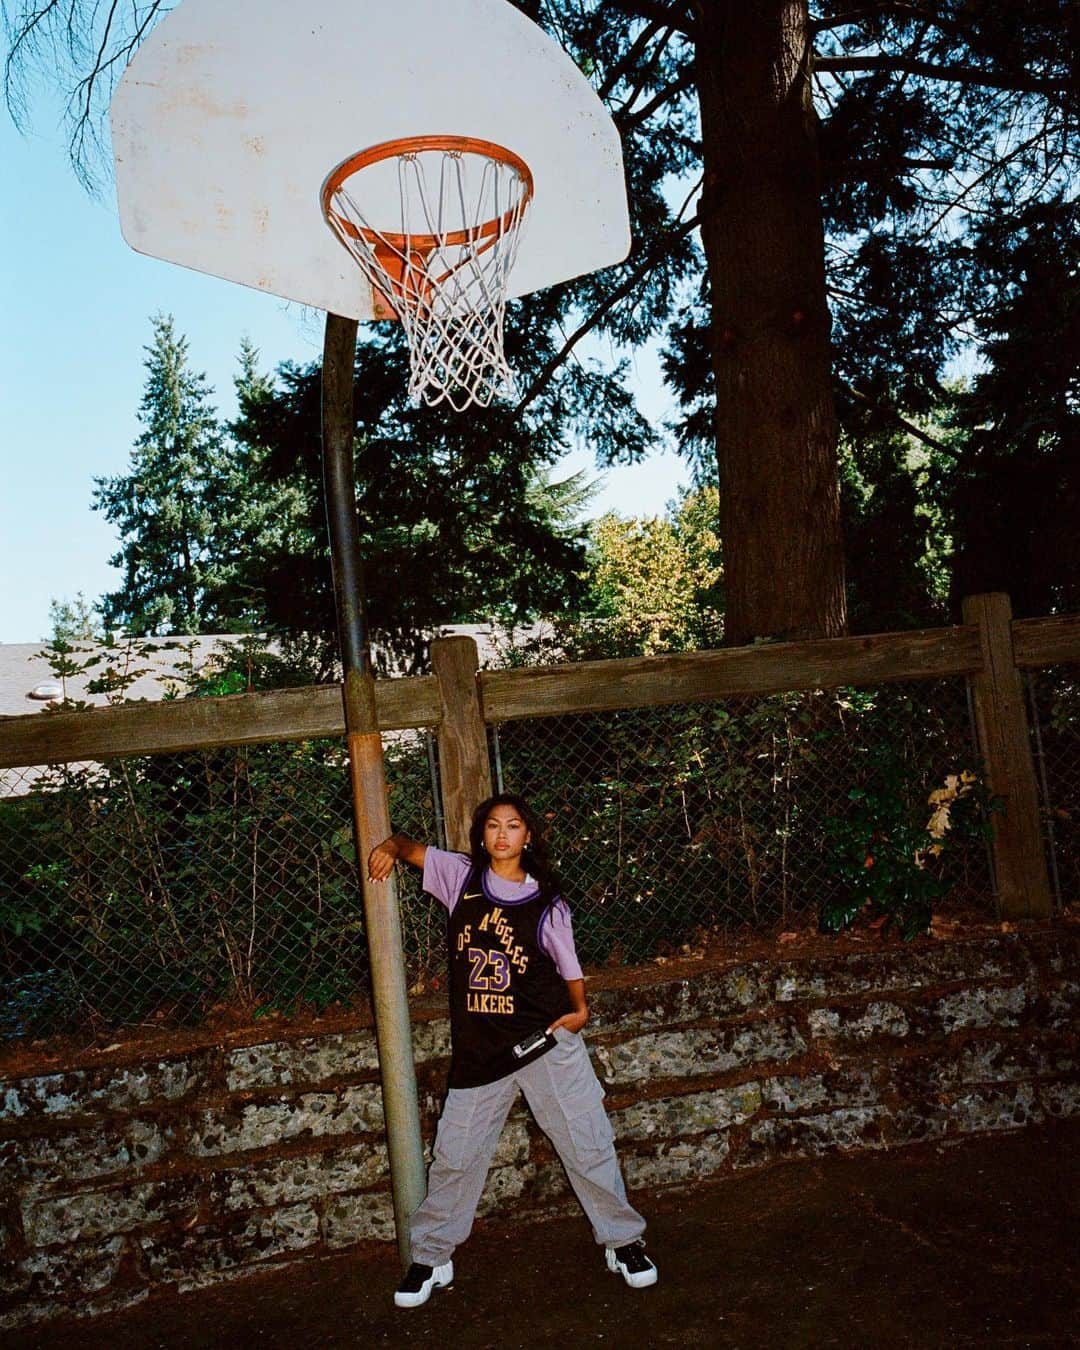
point(490, 1003)
point(491, 969)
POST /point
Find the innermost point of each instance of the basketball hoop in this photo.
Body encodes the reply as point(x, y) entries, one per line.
point(441, 262)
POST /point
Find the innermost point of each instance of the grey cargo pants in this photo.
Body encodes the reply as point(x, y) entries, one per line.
point(568, 1102)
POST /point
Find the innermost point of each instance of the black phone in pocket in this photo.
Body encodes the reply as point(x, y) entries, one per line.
point(531, 1043)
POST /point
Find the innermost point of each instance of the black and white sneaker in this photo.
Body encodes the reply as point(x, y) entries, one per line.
point(632, 1264)
point(419, 1281)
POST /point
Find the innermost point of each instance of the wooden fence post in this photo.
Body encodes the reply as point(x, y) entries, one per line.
point(464, 767)
point(998, 690)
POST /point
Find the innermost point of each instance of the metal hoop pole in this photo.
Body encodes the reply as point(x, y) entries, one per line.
point(382, 919)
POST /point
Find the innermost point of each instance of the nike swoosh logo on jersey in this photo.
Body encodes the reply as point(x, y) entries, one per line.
point(476, 895)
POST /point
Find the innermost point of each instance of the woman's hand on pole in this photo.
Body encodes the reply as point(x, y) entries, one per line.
point(382, 858)
point(398, 848)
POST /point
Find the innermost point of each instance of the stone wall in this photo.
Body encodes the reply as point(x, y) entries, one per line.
point(119, 1177)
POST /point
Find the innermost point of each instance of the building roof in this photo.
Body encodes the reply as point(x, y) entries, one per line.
point(24, 669)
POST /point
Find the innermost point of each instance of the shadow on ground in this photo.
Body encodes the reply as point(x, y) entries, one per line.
point(972, 1244)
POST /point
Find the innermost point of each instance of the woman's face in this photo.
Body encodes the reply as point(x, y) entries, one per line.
point(505, 833)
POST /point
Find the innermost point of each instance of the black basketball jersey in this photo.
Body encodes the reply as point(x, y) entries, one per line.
point(503, 985)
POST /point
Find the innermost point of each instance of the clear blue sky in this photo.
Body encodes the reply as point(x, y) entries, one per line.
point(76, 316)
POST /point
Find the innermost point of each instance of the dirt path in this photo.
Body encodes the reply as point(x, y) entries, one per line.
point(974, 1244)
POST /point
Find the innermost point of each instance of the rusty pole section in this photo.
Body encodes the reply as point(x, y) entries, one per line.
point(382, 919)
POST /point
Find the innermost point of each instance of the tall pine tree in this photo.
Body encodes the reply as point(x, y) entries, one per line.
point(459, 519)
point(266, 514)
point(171, 508)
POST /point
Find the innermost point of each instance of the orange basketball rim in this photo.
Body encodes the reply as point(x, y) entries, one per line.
point(402, 257)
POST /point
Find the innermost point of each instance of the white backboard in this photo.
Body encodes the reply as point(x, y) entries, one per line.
point(233, 112)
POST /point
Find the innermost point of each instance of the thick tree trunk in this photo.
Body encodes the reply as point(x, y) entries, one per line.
point(763, 238)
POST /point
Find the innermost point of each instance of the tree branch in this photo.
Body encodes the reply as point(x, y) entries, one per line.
point(858, 169)
point(639, 273)
point(642, 76)
point(86, 89)
point(25, 36)
point(955, 74)
point(630, 57)
point(996, 167)
point(901, 421)
point(92, 35)
point(627, 120)
point(676, 15)
point(889, 10)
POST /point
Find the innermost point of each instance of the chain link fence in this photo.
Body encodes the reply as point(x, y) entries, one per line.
point(1054, 718)
point(163, 889)
point(751, 813)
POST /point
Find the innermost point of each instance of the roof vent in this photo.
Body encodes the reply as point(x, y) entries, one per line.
point(47, 693)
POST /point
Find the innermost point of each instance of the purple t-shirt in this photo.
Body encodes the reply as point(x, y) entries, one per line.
point(444, 876)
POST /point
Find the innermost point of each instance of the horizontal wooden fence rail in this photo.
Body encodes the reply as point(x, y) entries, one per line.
point(588, 686)
point(459, 702)
point(770, 668)
point(1053, 641)
point(203, 723)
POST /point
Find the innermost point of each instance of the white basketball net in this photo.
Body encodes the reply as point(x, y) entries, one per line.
point(443, 265)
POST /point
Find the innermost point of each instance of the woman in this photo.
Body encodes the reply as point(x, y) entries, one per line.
point(517, 1008)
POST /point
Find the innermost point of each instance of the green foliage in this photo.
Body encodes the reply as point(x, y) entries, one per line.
point(166, 887)
point(170, 506)
point(749, 814)
point(947, 139)
point(255, 663)
point(458, 517)
point(896, 544)
point(74, 620)
point(1013, 490)
point(914, 166)
point(884, 847)
point(111, 665)
point(227, 529)
point(170, 885)
point(154, 907)
point(1056, 703)
point(655, 581)
point(652, 584)
point(266, 514)
point(948, 166)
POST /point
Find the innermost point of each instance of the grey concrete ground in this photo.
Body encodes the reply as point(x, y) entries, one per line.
point(967, 1245)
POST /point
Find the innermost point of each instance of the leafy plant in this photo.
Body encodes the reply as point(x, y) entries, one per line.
point(165, 886)
point(734, 815)
point(888, 856)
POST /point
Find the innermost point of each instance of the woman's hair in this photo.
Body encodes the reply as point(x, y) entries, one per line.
point(536, 858)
